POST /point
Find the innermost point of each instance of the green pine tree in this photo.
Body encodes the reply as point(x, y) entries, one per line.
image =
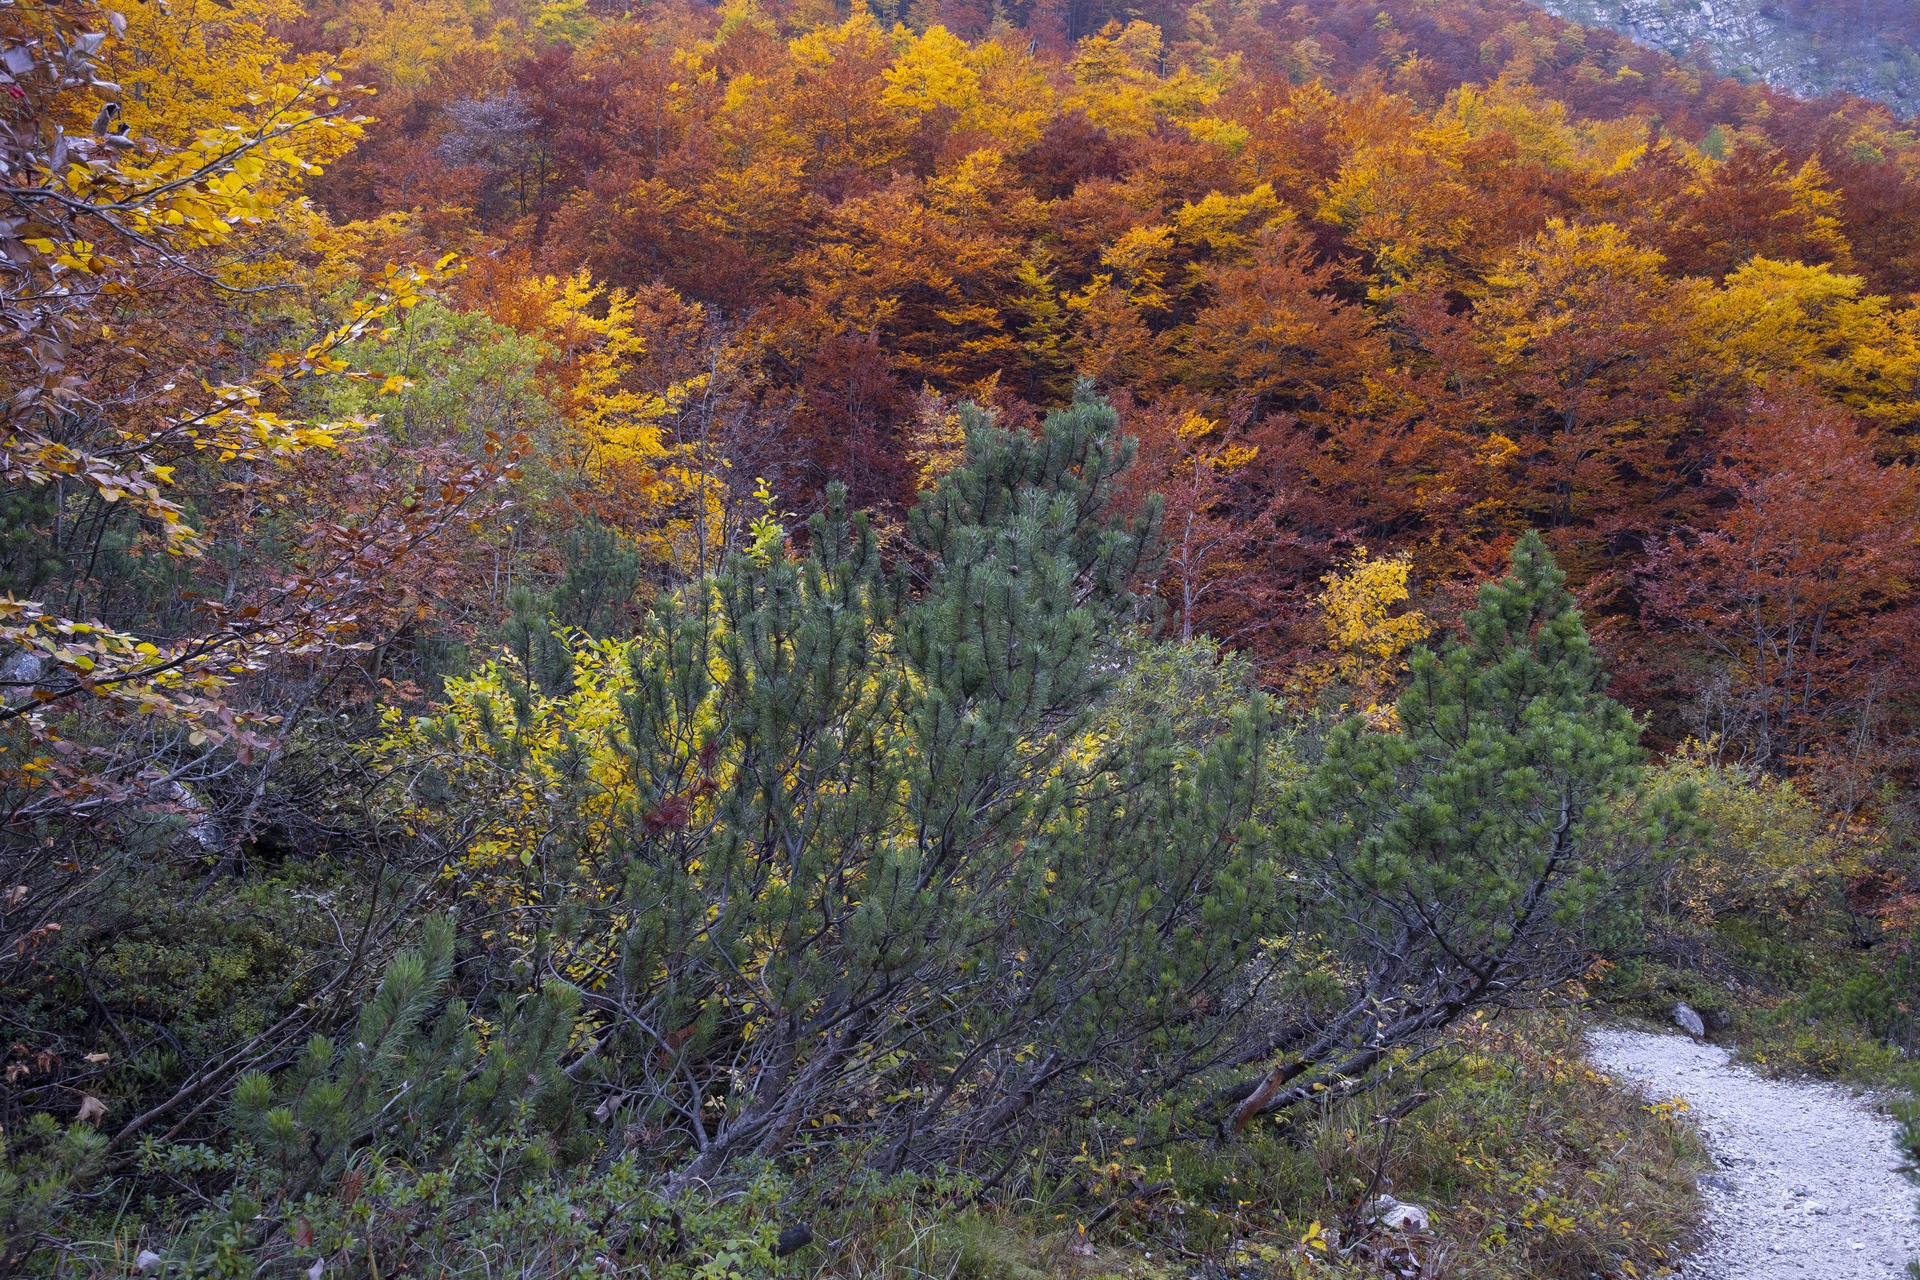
point(410, 1078)
point(879, 870)
point(1479, 855)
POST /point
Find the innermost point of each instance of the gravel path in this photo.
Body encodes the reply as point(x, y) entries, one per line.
point(1808, 1187)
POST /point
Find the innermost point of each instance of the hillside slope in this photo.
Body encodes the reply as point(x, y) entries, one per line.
point(1806, 47)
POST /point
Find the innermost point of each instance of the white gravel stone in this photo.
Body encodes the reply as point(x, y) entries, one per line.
point(1811, 1183)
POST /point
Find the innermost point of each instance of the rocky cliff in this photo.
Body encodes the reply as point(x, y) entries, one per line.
point(1805, 47)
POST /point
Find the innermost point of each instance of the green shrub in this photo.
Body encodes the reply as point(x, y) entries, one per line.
point(43, 1168)
point(832, 856)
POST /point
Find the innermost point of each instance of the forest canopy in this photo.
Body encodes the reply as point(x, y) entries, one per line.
point(1415, 283)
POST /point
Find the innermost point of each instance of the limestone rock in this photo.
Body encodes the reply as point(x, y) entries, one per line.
point(1688, 1021)
point(1803, 47)
point(1396, 1215)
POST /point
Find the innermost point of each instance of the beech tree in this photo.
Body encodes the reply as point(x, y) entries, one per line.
point(1798, 596)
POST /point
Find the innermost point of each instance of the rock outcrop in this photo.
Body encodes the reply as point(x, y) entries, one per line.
point(1804, 47)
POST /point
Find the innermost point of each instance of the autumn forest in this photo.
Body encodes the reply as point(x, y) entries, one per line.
point(942, 638)
point(1408, 280)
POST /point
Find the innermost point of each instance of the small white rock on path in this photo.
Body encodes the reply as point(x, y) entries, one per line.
point(1808, 1185)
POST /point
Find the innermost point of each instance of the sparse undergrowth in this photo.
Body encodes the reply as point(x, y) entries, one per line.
point(1796, 1034)
point(1530, 1163)
point(1785, 928)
